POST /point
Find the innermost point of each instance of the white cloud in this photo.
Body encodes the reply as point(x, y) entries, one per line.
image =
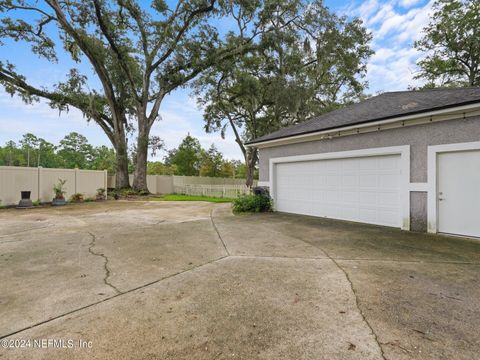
point(395, 26)
point(18, 118)
point(368, 8)
point(380, 15)
point(408, 3)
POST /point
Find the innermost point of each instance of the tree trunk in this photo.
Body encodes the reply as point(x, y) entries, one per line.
point(140, 175)
point(121, 166)
point(251, 157)
point(249, 176)
point(119, 142)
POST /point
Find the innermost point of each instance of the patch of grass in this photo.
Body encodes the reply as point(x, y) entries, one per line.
point(178, 197)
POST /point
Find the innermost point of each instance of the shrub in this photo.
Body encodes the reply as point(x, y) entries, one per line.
point(253, 203)
point(59, 189)
point(100, 194)
point(126, 193)
point(76, 197)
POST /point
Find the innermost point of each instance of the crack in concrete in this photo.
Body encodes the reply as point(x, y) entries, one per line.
point(105, 264)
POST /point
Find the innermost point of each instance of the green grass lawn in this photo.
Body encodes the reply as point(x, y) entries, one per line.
point(175, 197)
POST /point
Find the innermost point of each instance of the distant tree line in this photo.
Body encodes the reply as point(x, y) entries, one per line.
point(74, 151)
point(190, 159)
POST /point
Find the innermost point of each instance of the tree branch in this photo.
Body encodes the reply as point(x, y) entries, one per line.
point(28, 8)
point(116, 50)
point(17, 82)
point(180, 33)
point(85, 47)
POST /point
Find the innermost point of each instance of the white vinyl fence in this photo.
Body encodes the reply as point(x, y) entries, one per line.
point(193, 185)
point(40, 182)
point(225, 191)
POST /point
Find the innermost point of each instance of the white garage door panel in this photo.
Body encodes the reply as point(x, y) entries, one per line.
point(365, 189)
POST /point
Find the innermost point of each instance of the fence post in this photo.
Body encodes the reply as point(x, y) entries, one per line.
point(105, 182)
point(76, 180)
point(39, 183)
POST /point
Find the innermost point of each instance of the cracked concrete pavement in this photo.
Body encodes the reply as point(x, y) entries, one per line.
point(105, 264)
point(183, 280)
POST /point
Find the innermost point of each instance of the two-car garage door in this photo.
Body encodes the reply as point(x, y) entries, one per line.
point(363, 189)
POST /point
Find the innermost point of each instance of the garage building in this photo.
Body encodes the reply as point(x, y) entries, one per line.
point(403, 159)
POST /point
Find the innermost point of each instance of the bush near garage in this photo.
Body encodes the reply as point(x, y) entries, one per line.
point(255, 203)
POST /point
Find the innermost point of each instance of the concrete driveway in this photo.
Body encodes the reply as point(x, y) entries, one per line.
point(185, 280)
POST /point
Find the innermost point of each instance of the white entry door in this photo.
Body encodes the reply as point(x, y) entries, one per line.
point(363, 189)
point(458, 193)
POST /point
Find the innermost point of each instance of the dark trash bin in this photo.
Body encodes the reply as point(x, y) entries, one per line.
point(25, 201)
point(25, 194)
point(260, 190)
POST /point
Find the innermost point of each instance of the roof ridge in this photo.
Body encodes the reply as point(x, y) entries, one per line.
point(431, 90)
point(379, 107)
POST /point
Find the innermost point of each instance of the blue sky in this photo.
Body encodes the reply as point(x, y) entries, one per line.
point(395, 25)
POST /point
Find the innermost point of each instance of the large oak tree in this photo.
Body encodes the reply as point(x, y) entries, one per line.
point(315, 63)
point(139, 54)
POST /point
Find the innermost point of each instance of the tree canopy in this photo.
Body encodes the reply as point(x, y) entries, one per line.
point(138, 54)
point(451, 45)
point(187, 157)
point(315, 64)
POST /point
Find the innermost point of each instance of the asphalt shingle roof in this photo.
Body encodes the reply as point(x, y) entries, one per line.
point(385, 106)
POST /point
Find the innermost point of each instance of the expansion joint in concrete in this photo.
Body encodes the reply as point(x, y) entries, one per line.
point(218, 232)
point(357, 302)
point(279, 257)
point(118, 294)
point(21, 232)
